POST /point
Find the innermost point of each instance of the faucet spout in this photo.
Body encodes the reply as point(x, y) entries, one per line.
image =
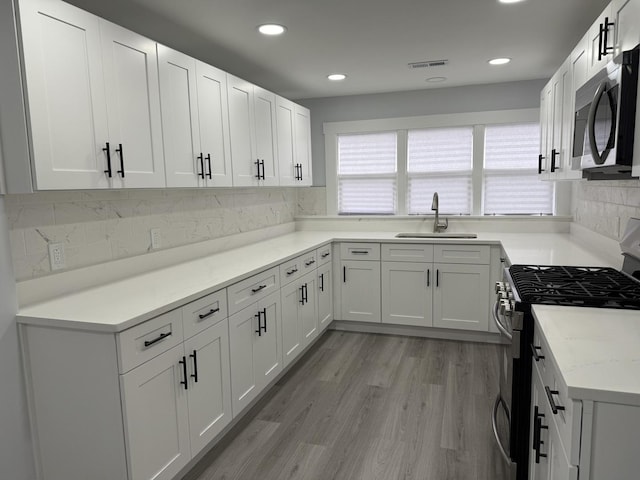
point(435, 206)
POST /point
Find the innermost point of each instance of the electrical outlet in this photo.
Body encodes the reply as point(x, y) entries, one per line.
point(156, 238)
point(56, 256)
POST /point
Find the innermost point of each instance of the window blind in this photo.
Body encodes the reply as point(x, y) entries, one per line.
point(367, 181)
point(511, 181)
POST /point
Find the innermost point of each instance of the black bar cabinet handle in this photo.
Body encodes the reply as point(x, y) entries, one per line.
point(309, 263)
point(209, 313)
point(301, 301)
point(359, 252)
point(257, 164)
point(121, 153)
point(162, 336)
point(437, 277)
point(325, 254)
point(428, 277)
point(600, 35)
point(208, 158)
point(537, 431)
point(256, 290)
point(194, 375)
point(183, 362)
point(554, 153)
point(534, 351)
point(344, 274)
point(259, 317)
point(201, 158)
point(550, 393)
point(605, 41)
point(322, 282)
point(264, 315)
point(306, 293)
point(540, 169)
point(262, 165)
point(292, 271)
point(107, 150)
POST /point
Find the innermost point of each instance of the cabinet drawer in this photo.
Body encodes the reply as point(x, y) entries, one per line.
point(567, 421)
point(324, 255)
point(204, 312)
point(479, 254)
point(291, 270)
point(395, 252)
point(360, 251)
point(149, 339)
point(252, 289)
point(309, 262)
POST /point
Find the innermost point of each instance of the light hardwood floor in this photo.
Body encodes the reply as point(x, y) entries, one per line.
point(364, 406)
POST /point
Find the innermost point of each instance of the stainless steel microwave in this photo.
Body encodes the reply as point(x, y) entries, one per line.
point(605, 115)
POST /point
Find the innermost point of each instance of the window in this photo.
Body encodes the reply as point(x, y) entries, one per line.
point(511, 181)
point(440, 160)
point(367, 169)
point(480, 163)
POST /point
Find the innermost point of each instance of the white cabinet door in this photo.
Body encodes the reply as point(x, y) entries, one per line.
point(265, 135)
point(184, 166)
point(209, 394)
point(308, 311)
point(578, 75)
point(243, 330)
point(268, 347)
point(285, 122)
point(303, 145)
point(325, 296)
point(546, 130)
point(291, 295)
point(538, 432)
point(241, 129)
point(602, 37)
point(407, 290)
point(66, 91)
point(625, 14)
point(213, 114)
point(460, 298)
point(560, 83)
point(360, 291)
point(133, 106)
point(156, 417)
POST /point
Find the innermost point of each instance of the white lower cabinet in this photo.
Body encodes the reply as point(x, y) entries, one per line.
point(299, 316)
point(360, 290)
point(325, 296)
point(256, 349)
point(407, 293)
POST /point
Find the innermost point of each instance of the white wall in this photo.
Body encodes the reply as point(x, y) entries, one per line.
point(473, 98)
point(16, 460)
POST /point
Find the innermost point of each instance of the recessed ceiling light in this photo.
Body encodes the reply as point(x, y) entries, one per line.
point(435, 79)
point(499, 61)
point(271, 29)
point(336, 76)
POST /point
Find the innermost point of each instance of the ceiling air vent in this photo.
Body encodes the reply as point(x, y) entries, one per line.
point(429, 63)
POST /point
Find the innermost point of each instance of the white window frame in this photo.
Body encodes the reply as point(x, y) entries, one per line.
point(476, 119)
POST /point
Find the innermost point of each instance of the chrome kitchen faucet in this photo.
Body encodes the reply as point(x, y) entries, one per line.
point(437, 225)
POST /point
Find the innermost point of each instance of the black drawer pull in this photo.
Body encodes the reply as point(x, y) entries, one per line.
point(309, 263)
point(325, 254)
point(534, 351)
point(183, 362)
point(194, 375)
point(256, 290)
point(292, 271)
point(359, 252)
point(209, 313)
point(162, 336)
point(550, 393)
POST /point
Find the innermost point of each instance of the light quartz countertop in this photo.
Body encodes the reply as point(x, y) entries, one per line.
point(597, 351)
point(124, 303)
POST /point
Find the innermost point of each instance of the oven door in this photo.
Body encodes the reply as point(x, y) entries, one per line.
point(501, 420)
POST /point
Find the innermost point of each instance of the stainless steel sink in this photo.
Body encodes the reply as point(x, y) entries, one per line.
point(437, 235)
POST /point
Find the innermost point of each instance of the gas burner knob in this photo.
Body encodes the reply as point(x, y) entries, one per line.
point(510, 295)
point(505, 308)
point(507, 287)
point(500, 287)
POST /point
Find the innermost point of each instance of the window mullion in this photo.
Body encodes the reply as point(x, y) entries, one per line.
point(401, 166)
point(477, 175)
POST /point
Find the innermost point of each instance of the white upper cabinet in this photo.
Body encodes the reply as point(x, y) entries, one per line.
point(195, 121)
point(93, 100)
point(625, 14)
point(133, 106)
point(578, 76)
point(602, 36)
point(252, 122)
point(67, 102)
point(294, 143)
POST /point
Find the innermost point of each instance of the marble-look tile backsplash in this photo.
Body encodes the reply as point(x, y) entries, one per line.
point(98, 226)
point(312, 201)
point(606, 206)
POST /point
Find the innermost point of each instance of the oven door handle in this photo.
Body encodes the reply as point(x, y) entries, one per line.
point(496, 319)
point(494, 425)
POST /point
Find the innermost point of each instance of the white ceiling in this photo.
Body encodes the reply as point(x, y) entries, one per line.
point(370, 40)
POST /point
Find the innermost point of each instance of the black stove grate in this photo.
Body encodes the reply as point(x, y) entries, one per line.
point(575, 286)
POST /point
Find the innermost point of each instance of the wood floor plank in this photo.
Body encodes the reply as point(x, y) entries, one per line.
point(365, 406)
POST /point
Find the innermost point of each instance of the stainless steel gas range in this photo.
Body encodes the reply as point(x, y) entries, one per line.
point(526, 285)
